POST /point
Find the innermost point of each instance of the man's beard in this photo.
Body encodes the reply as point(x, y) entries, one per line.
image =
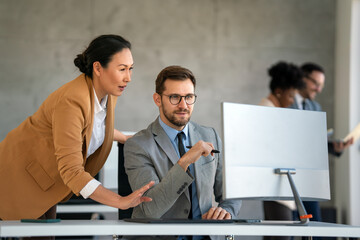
point(311, 95)
point(171, 117)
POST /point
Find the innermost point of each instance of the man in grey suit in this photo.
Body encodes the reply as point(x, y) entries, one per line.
point(177, 154)
point(314, 79)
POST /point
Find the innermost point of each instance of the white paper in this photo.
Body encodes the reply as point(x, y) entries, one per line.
point(355, 133)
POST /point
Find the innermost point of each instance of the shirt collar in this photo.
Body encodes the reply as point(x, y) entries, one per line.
point(100, 106)
point(171, 132)
point(299, 99)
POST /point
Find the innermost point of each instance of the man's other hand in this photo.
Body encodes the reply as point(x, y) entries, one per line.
point(340, 146)
point(216, 213)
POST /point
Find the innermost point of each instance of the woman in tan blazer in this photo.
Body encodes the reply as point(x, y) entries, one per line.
point(60, 148)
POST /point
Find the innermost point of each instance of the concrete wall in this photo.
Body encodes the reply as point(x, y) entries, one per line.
point(228, 44)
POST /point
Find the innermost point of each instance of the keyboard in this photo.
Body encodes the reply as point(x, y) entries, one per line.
point(181, 220)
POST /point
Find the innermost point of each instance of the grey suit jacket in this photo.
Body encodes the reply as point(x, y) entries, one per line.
point(310, 105)
point(149, 155)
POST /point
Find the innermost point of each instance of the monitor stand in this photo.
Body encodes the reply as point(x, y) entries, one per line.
point(304, 217)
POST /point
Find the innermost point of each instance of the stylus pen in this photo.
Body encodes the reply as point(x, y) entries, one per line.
point(212, 151)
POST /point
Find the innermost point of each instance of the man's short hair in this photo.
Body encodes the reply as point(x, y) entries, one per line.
point(308, 68)
point(173, 73)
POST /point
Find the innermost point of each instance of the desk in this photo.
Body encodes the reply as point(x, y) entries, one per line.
point(118, 227)
point(85, 208)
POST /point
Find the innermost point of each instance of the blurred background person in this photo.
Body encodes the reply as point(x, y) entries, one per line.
point(285, 79)
point(314, 82)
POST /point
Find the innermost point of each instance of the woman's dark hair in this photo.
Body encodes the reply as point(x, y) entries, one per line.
point(173, 73)
point(284, 76)
point(100, 49)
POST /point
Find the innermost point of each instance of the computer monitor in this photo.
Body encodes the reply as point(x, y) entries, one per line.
point(257, 140)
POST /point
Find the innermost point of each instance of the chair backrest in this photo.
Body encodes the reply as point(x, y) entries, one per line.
point(124, 188)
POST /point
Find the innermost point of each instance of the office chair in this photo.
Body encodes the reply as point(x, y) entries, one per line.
point(124, 188)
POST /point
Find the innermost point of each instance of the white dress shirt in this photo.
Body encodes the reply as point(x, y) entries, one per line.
point(97, 139)
point(299, 100)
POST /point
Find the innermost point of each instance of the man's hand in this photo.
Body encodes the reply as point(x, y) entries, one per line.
point(340, 146)
point(216, 213)
point(201, 148)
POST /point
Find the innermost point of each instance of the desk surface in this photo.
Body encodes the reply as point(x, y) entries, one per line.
point(118, 227)
point(85, 208)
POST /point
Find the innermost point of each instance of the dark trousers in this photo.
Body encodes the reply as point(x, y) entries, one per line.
point(277, 211)
point(50, 214)
point(313, 208)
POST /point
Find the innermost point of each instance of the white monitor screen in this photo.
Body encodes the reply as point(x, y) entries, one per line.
point(258, 139)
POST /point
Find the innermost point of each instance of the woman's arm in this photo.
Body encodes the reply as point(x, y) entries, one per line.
point(107, 197)
point(120, 137)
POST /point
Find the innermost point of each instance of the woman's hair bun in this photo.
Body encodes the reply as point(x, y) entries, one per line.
point(80, 62)
point(278, 70)
point(284, 76)
point(101, 50)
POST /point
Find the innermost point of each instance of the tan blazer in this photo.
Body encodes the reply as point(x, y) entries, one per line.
point(43, 161)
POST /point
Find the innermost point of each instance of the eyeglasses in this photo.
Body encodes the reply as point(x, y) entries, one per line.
point(317, 84)
point(175, 99)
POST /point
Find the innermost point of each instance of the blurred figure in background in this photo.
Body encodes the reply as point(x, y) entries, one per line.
point(285, 79)
point(314, 81)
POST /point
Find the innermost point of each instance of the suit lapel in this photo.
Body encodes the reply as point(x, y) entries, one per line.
point(165, 144)
point(310, 105)
point(296, 106)
point(163, 141)
point(194, 138)
point(90, 127)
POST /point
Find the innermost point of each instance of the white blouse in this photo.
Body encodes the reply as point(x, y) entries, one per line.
point(97, 139)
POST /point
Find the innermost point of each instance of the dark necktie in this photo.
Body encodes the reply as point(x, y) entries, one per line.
point(182, 151)
point(304, 104)
point(181, 146)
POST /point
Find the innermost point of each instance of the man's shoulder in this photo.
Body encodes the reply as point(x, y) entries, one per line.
point(74, 93)
point(315, 105)
point(201, 129)
point(140, 137)
point(200, 125)
point(294, 106)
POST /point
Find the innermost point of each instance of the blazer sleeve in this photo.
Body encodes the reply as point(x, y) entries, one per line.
point(232, 206)
point(68, 124)
point(331, 149)
point(140, 168)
